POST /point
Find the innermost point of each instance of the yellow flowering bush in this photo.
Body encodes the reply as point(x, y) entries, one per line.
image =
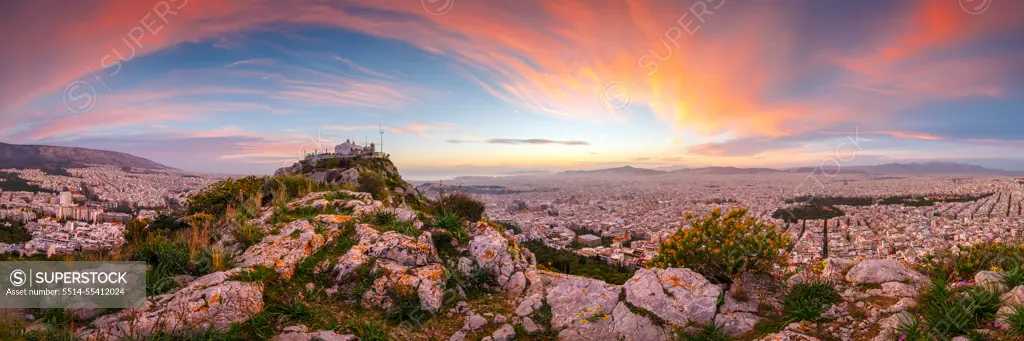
point(723, 246)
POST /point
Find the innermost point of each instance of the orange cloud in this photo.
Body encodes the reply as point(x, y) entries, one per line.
point(556, 57)
point(911, 135)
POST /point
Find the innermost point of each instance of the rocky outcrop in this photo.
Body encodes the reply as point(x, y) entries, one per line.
point(284, 250)
point(212, 302)
point(426, 282)
point(302, 333)
point(400, 260)
point(502, 258)
point(589, 309)
point(878, 271)
point(679, 296)
point(404, 249)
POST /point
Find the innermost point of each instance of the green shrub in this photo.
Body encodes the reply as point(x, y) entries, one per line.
point(971, 259)
point(1014, 277)
point(911, 331)
point(165, 259)
point(463, 205)
point(248, 234)
point(450, 221)
point(447, 219)
point(381, 217)
point(723, 246)
point(955, 311)
point(216, 198)
point(709, 332)
point(569, 262)
point(373, 183)
point(807, 301)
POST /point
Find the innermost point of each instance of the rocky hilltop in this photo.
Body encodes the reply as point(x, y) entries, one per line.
point(38, 156)
point(355, 171)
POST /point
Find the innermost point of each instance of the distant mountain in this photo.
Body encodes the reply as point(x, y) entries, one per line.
point(912, 168)
point(37, 156)
point(728, 170)
point(933, 168)
point(625, 170)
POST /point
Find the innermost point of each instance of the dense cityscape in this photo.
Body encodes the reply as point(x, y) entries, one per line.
point(645, 210)
point(86, 209)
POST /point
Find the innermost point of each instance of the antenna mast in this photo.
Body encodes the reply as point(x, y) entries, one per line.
point(381, 129)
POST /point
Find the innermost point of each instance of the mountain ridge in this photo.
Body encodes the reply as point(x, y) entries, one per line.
point(45, 156)
point(909, 168)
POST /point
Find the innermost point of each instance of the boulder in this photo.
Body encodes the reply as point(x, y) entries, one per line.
point(211, 302)
point(678, 296)
point(991, 280)
point(622, 324)
point(403, 249)
point(501, 258)
point(349, 263)
point(589, 309)
point(737, 323)
point(504, 333)
point(426, 281)
point(1013, 298)
point(286, 249)
point(474, 322)
point(837, 268)
point(574, 298)
point(878, 271)
point(897, 289)
point(529, 326)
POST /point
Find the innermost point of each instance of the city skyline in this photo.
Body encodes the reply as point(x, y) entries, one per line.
point(470, 88)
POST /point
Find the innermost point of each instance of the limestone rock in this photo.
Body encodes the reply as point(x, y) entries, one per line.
point(574, 298)
point(426, 281)
point(528, 305)
point(474, 322)
point(210, 302)
point(504, 333)
point(621, 325)
point(991, 280)
point(530, 326)
point(897, 289)
point(349, 263)
point(736, 324)
point(878, 271)
point(502, 258)
point(679, 296)
point(405, 250)
point(1013, 298)
point(286, 249)
point(837, 268)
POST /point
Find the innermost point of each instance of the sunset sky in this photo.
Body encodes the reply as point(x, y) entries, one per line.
point(494, 87)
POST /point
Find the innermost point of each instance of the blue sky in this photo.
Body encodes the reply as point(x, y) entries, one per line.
point(491, 88)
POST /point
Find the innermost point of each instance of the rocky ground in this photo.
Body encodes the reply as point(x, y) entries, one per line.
point(335, 277)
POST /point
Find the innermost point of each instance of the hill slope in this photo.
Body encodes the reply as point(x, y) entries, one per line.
point(38, 156)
